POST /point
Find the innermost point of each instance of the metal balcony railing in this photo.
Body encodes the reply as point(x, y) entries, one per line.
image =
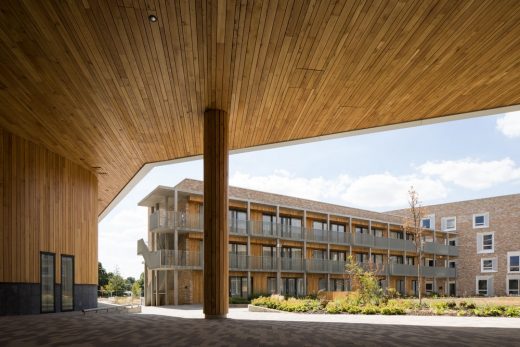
point(292, 264)
point(195, 223)
point(317, 235)
point(262, 263)
point(426, 271)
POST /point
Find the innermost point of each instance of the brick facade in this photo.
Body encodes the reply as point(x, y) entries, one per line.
point(504, 222)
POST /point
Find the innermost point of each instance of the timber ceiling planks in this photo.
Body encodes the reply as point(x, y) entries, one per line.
point(98, 83)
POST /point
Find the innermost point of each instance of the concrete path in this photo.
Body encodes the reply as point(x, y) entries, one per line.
point(195, 312)
point(184, 327)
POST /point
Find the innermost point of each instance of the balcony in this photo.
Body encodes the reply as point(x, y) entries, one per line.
point(169, 259)
point(378, 269)
point(317, 235)
point(292, 264)
point(162, 221)
point(262, 263)
point(426, 271)
point(238, 261)
point(440, 249)
point(318, 265)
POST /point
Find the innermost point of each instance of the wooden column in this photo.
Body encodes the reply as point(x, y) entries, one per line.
point(216, 275)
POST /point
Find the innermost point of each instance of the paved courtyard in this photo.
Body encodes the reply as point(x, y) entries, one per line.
point(183, 327)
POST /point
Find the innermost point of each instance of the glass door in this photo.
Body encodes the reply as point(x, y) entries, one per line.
point(67, 283)
point(47, 281)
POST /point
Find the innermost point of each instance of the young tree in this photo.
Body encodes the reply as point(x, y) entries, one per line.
point(412, 225)
point(364, 281)
point(102, 276)
point(116, 283)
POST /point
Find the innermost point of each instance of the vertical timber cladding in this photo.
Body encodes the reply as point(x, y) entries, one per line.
point(49, 204)
point(216, 130)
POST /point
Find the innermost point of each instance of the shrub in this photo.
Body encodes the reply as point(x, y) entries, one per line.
point(452, 305)
point(392, 310)
point(370, 309)
point(462, 313)
point(512, 311)
point(238, 300)
point(333, 307)
point(352, 309)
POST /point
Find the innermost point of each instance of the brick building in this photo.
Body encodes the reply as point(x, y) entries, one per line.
point(488, 238)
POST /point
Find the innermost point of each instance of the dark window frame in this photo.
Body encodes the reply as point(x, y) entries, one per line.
point(54, 282)
point(73, 281)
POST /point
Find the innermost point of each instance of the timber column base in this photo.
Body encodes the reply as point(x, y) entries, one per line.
point(216, 263)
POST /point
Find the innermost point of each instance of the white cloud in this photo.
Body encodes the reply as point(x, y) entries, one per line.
point(509, 125)
point(386, 190)
point(283, 182)
point(473, 173)
point(118, 241)
point(381, 191)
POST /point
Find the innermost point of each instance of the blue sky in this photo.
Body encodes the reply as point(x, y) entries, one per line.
point(449, 161)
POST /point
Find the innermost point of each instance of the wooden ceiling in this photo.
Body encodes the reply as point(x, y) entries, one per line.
point(97, 82)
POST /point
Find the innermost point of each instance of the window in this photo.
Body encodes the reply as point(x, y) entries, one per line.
point(449, 223)
point(338, 255)
point(292, 252)
point(377, 232)
point(396, 259)
point(271, 285)
point(322, 284)
point(319, 225)
point(337, 285)
point(362, 230)
point(429, 262)
point(481, 220)
point(293, 286)
point(429, 287)
point(377, 258)
point(452, 264)
point(485, 242)
point(237, 255)
point(410, 237)
point(268, 224)
point(396, 235)
point(513, 261)
point(362, 257)
point(399, 286)
point(513, 285)
point(238, 286)
point(237, 221)
point(337, 227)
point(319, 254)
point(410, 260)
point(484, 285)
point(488, 265)
point(428, 222)
point(268, 257)
point(452, 242)
point(291, 227)
point(67, 283)
point(414, 287)
point(47, 281)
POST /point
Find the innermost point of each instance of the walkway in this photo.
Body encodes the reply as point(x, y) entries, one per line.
point(183, 327)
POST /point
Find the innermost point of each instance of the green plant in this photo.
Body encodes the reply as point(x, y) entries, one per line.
point(512, 311)
point(392, 310)
point(370, 309)
point(333, 307)
point(238, 300)
point(365, 281)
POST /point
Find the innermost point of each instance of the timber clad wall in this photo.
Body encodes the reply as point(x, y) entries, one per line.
point(49, 204)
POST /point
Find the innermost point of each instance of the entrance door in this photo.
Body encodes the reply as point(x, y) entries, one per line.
point(47, 281)
point(452, 289)
point(67, 283)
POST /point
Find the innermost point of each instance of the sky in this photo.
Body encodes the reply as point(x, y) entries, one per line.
point(449, 161)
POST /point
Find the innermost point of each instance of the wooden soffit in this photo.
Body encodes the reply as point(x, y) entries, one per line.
point(99, 83)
